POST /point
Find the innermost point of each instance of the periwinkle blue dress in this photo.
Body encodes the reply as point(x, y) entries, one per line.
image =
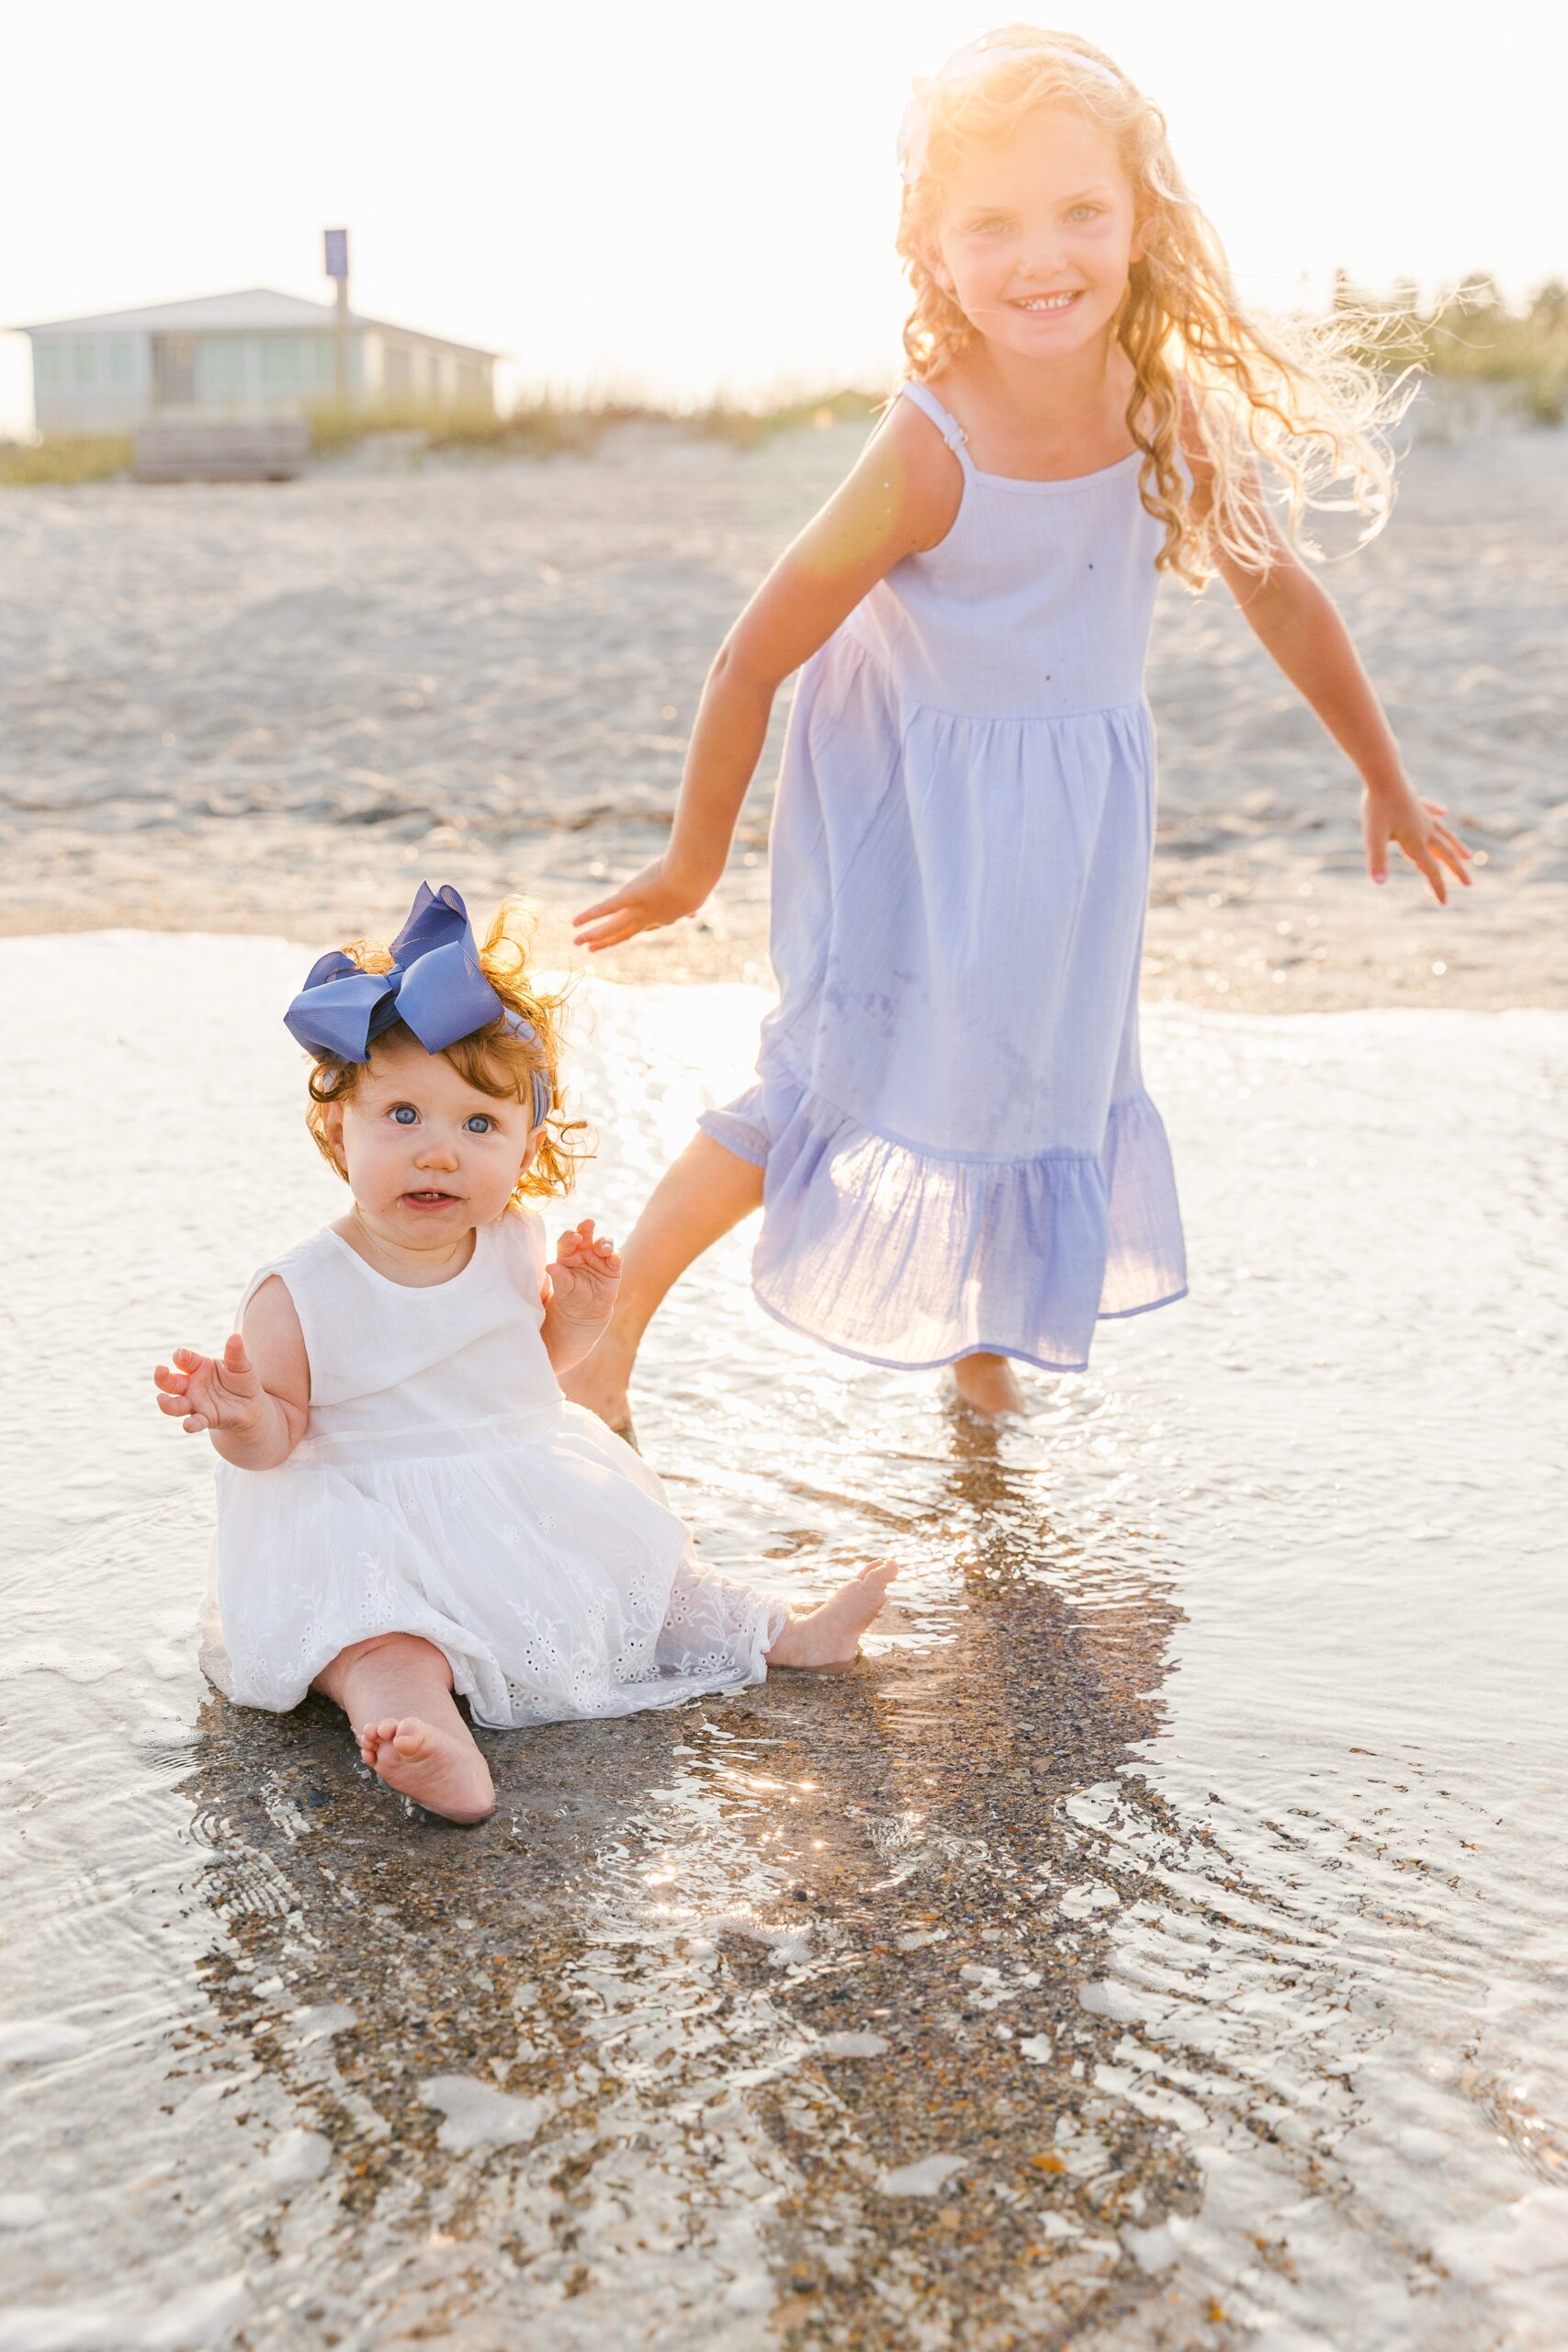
point(959, 1152)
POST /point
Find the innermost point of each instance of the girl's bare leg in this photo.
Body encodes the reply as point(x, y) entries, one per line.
point(396, 1692)
point(697, 1200)
point(988, 1385)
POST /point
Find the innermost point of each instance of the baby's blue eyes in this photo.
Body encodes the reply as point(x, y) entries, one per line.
point(481, 1123)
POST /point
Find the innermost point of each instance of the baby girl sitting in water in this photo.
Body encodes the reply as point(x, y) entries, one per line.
point(407, 1506)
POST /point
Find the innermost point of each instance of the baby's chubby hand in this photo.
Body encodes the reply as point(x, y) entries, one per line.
point(585, 1276)
point(211, 1392)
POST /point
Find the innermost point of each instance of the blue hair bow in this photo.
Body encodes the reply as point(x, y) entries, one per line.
point(435, 988)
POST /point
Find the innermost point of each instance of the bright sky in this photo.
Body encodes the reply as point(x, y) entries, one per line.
point(701, 195)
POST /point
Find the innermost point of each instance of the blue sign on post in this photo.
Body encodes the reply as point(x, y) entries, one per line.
point(337, 254)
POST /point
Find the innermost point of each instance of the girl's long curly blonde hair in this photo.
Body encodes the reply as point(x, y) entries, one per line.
point(1289, 404)
point(495, 1060)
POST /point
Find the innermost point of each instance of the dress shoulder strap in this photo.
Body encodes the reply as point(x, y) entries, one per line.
point(951, 432)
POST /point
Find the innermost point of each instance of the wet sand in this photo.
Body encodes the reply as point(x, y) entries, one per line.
point(1154, 1943)
point(270, 709)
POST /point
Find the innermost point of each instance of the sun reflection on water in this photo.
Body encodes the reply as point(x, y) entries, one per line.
point(1156, 1912)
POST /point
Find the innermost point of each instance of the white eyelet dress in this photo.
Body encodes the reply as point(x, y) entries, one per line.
point(445, 1488)
point(959, 1152)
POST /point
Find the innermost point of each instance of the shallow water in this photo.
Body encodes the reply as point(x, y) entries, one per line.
point(1158, 1941)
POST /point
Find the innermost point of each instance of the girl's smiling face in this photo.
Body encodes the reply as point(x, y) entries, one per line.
point(427, 1154)
point(1036, 237)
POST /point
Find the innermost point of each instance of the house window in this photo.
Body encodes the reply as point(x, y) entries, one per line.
point(122, 366)
point(84, 362)
point(48, 373)
point(280, 363)
point(221, 367)
point(395, 373)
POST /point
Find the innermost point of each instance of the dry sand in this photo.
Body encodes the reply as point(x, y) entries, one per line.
point(273, 707)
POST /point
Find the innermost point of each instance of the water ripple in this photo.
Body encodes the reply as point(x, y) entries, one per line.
point(1153, 1942)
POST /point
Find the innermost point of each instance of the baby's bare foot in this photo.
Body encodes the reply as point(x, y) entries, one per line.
point(829, 1635)
point(440, 1769)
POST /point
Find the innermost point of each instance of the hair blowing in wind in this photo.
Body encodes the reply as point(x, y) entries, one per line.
point(1283, 409)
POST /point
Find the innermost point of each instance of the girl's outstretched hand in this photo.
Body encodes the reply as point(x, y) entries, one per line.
point(1395, 814)
point(648, 901)
point(585, 1276)
point(211, 1392)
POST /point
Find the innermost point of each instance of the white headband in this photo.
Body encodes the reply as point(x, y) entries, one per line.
point(914, 131)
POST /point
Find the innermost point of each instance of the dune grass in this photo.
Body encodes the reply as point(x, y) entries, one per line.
point(1472, 335)
point(550, 427)
point(544, 427)
point(541, 429)
point(65, 458)
point(747, 428)
point(1469, 336)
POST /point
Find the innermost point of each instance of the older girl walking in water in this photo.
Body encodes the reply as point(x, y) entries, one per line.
point(949, 1135)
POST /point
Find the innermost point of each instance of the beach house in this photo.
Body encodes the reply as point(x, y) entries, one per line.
point(257, 353)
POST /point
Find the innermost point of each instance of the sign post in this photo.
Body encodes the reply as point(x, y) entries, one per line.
point(337, 267)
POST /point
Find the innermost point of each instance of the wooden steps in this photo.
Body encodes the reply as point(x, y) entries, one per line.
point(221, 448)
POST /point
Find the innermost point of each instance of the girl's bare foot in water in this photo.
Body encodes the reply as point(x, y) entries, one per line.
point(829, 1635)
point(440, 1768)
point(988, 1384)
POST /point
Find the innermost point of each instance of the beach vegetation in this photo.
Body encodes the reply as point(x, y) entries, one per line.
point(1471, 335)
point(65, 458)
point(541, 428)
point(549, 426)
point(746, 427)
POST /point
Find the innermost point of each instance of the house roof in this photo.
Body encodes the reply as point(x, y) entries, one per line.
point(257, 310)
